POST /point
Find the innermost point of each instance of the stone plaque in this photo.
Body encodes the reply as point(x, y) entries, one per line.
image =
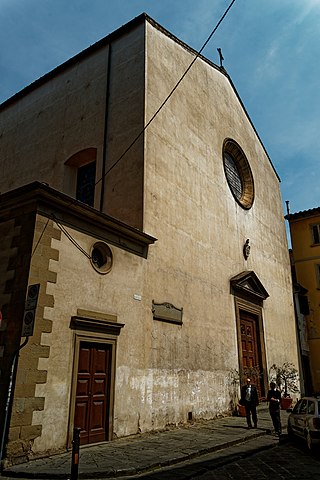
point(167, 312)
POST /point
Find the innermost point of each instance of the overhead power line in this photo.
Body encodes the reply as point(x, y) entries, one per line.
point(68, 235)
point(39, 239)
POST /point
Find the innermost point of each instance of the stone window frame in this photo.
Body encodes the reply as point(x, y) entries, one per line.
point(78, 160)
point(93, 327)
point(85, 188)
point(234, 150)
point(106, 256)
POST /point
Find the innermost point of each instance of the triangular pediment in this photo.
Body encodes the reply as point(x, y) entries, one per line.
point(248, 284)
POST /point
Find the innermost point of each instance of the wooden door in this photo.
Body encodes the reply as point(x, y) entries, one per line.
point(93, 392)
point(249, 343)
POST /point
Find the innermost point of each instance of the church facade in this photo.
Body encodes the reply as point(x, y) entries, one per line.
point(157, 248)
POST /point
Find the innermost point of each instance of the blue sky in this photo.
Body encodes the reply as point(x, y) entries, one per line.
point(271, 50)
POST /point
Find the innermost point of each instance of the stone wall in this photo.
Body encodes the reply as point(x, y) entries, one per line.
point(16, 241)
point(23, 431)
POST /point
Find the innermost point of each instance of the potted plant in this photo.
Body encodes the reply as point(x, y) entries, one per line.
point(286, 377)
point(234, 383)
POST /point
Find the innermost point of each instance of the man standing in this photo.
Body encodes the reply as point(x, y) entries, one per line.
point(274, 397)
point(249, 398)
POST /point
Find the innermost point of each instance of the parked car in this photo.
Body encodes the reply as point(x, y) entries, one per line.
point(304, 420)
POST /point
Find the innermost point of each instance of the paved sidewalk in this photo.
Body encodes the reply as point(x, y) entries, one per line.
point(150, 451)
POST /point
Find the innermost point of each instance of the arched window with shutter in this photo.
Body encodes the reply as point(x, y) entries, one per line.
point(83, 175)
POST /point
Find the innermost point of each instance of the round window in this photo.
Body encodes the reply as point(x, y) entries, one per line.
point(238, 173)
point(101, 257)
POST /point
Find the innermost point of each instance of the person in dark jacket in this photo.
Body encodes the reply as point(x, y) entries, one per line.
point(249, 398)
point(274, 398)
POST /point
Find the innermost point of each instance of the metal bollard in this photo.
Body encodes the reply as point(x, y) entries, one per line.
point(75, 453)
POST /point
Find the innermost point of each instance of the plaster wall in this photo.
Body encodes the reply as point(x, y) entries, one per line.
point(152, 389)
point(306, 259)
point(123, 197)
point(79, 286)
point(201, 229)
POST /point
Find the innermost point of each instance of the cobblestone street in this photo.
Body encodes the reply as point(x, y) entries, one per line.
point(286, 461)
point(283, 462)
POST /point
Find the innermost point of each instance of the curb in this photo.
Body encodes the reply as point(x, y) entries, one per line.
point(198, 470)
point(131, 471)
point(199, 467)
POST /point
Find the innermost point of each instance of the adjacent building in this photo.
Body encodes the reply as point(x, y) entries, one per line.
point(305, 238)
point(157, 250)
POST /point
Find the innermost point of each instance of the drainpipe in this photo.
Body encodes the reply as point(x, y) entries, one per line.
point(298, 331)
point(8, 402)
point(105, 141)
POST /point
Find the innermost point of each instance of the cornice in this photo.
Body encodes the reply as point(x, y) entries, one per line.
point(44, 200)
